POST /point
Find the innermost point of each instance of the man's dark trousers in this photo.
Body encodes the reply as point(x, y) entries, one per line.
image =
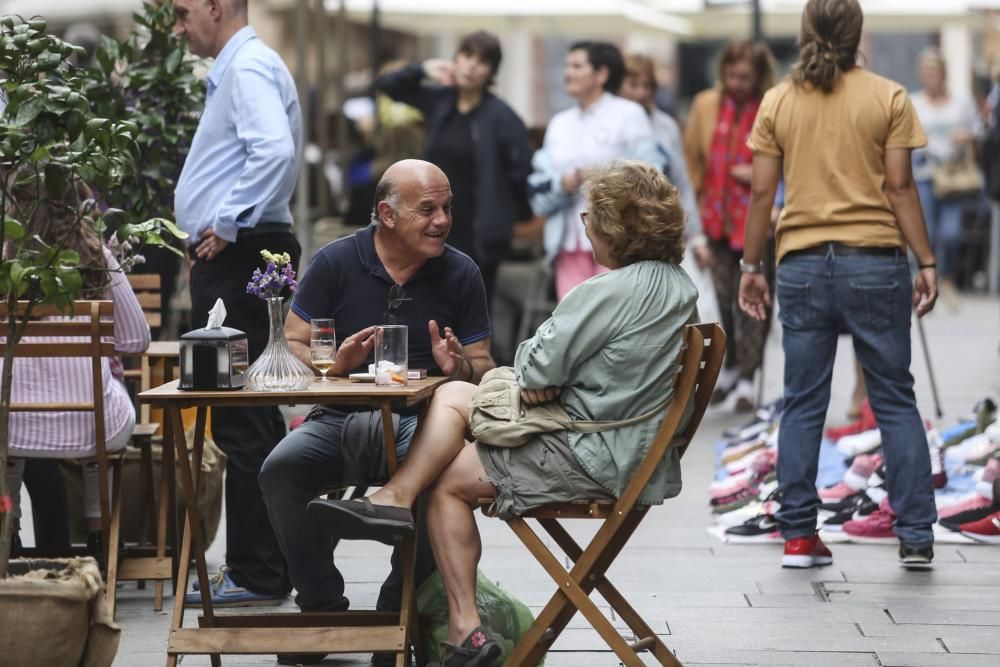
point(246, 435)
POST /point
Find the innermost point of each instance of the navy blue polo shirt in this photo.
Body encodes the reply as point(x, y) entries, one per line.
point(346, 281)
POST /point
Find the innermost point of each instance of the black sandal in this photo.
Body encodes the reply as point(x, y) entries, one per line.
point(353, 520)
point(478, 650)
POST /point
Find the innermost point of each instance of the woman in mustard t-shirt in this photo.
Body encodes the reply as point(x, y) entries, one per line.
point(843, 138)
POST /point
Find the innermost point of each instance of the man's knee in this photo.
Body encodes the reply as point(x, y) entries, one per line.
point(282, 471)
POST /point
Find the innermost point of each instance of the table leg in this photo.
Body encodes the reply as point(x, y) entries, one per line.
point(408, 612)
point(192, 542)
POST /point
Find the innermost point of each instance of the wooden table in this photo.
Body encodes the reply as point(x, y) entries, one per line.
point(335, 632)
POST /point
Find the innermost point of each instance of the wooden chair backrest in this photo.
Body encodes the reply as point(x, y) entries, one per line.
point(701, 361)
point(148, 291)
point(93, 321)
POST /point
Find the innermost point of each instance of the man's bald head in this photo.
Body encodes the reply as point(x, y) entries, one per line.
point(400, 177)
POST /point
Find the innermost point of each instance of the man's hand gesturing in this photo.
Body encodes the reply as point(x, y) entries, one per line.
point(447, 351)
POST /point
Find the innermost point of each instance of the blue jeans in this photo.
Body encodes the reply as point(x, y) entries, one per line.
point(869, 297)
point(305, 463)
point(944, 227)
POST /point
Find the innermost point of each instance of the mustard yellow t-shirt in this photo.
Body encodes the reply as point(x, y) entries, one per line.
point(833, 149)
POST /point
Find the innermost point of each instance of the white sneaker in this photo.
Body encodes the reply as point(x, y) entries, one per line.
point(862, 443)
point(742, 397)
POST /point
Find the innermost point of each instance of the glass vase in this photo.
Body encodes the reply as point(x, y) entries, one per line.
point(277, 368)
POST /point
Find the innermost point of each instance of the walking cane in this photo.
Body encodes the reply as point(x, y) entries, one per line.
point(930, 369)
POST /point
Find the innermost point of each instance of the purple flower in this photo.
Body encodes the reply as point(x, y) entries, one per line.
point(277, 275)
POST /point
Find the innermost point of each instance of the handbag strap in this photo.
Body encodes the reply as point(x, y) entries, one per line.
point(593, 426)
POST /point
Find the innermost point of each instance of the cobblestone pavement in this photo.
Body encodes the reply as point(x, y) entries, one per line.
point(732, 604)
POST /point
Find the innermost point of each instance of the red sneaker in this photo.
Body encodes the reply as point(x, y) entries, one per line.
point(806, 552)
point(865, 422)
point(984, 530)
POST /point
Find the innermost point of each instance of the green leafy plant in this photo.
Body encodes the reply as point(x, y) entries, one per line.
point(149, 79)
point(56, 154)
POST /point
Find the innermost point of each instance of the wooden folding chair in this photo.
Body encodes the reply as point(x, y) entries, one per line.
point(94, 322)
point(701, 360)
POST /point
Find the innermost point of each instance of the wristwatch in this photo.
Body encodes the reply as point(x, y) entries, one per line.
point(751, 268)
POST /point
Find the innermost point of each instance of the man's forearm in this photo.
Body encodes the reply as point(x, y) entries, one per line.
point(906, 205)
point(479, 366)
point(301, 351)
point(758, 223)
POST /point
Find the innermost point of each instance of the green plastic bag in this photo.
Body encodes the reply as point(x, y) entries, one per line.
point(506, 617)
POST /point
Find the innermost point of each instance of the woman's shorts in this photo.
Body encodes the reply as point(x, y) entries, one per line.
point(540, 472)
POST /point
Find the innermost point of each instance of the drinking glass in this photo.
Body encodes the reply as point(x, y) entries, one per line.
point(391, 354)
point(322, 346)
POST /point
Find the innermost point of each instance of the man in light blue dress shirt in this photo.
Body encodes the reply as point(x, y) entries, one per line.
point(233, 199)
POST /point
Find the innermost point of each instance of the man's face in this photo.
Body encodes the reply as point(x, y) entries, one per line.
point(738, 79)
point(423, 220)
point(579, 76)
point(197, 21)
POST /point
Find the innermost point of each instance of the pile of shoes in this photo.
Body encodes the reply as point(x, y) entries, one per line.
point(858, 508)
point(973, 448)
point(965, 467)
point(744, 498)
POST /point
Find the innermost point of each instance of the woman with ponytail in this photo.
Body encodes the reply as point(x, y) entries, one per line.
point(842, 137)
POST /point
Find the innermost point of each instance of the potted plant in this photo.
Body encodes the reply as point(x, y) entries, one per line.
point(54, 147)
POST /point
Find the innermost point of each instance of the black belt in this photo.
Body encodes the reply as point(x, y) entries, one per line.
point(846, 250)
point(260, 229)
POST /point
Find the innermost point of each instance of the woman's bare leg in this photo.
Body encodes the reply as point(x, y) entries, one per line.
point(454, 537)
point(439, 438)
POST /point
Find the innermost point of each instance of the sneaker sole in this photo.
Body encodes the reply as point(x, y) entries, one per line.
point(804, 562)
point(916, 565)
point(871, 540)
point(751, 539)
point(988, 539)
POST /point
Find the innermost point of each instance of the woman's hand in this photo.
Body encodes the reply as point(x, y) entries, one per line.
point(925, 291)
point(754, 296)
point(440, 70)
point(571, 180)
point(538, 396)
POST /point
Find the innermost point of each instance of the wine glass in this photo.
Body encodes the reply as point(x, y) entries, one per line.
point(322, 346)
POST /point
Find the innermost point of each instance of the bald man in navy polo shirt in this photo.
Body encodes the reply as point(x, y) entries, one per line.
point(436, 291)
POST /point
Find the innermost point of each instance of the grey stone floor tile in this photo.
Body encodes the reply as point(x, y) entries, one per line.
point(767, 600)
point(904, 615)
point(927, 603)
point(984, 641)
point(773, 630)
point(712, 655)
point(814, 642)
point(911, 659)
point(913, 590)
point(955, 632)
point(952, 574)
point(818, 615)
point(979, 553)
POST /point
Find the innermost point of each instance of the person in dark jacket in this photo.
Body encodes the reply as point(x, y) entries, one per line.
point(477, 140)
